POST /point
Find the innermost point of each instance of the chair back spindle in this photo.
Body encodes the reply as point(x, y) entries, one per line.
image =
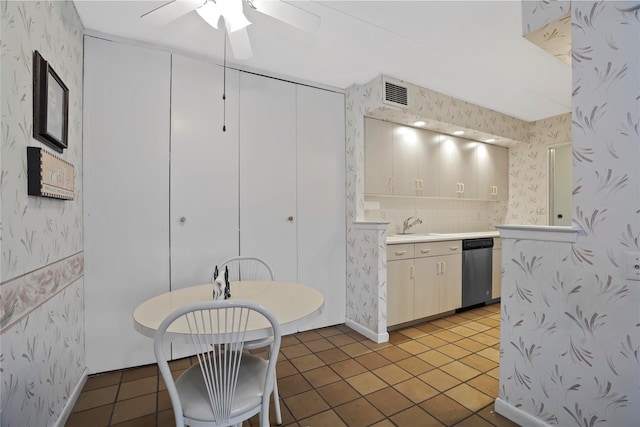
point(227, 384)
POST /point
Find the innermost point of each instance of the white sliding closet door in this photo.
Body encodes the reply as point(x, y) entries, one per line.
point(204, 171)
point(268, 218)
point(321, 199)
point(126, 197)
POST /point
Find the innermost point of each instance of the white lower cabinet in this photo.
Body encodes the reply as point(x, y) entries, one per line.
point(400, 283)
point(423, 279)
point(438, 277)
point(496, 269)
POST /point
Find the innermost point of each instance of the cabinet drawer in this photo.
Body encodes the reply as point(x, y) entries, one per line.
point(438, 248)
point(403, 251)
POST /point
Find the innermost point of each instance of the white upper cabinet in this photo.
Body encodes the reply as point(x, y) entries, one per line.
point(458, 168)
point(401, 160)
point(204, 163)
point(405, 161)
point(416, 162)
point(493, 176)
point(428, 178)
point(378, 157)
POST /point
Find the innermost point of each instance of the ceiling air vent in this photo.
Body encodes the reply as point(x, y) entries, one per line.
point(395, 94)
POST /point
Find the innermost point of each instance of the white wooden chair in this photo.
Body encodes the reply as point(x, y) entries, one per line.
point(247, 268)
point(254, 268)
point(227, 385)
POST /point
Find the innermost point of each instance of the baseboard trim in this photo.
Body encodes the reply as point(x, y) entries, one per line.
point(518, 416)
point(73, 398)
point(373, 336)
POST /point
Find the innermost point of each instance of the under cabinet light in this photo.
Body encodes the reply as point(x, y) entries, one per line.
point(459, 132)
point(419, 123)
point(491, 140)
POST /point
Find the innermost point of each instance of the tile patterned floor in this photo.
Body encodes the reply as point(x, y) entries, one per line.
point(438, 373)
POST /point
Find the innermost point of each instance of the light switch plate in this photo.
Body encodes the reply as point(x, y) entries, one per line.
point(633, 265)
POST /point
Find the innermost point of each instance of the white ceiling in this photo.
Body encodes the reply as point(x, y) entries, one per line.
point(471, 50)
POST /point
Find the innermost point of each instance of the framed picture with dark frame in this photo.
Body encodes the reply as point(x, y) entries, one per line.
point(50, 105)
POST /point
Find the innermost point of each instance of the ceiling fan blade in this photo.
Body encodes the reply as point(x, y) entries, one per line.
point(170, 11)
point(240, 44)
point(288, 14)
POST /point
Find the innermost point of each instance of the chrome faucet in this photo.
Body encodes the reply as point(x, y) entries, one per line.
point(406, 225)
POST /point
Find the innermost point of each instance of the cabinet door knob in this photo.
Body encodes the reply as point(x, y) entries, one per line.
point(401, 252)
point(290, 219)
point(183, 220)
point(453, 248)
point(425, 251)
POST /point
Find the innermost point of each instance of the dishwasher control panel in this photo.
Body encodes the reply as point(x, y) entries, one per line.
point(477, 243)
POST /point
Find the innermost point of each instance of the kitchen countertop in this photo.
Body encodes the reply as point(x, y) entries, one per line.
point(438, 237)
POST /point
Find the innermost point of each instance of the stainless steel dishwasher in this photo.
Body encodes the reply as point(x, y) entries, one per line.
point(476, 271)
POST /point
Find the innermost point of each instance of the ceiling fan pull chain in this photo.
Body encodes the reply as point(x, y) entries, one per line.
point(224, 86)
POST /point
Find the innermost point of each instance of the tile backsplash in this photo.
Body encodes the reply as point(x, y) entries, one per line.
point(438, 215)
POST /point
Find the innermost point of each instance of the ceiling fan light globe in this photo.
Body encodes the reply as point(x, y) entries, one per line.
point(210, 12)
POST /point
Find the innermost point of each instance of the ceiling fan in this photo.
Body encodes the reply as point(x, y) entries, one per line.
point(231, 11)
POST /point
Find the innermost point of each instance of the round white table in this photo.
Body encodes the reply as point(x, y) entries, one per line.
point(291, 303)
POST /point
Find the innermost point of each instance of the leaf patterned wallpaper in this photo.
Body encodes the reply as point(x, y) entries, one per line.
point(570, 333)
point(537, 14)
point(529, 169)
point(41, 290)
point(366, 262)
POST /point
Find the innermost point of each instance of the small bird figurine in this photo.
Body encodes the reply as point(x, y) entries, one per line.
point(221, 286)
